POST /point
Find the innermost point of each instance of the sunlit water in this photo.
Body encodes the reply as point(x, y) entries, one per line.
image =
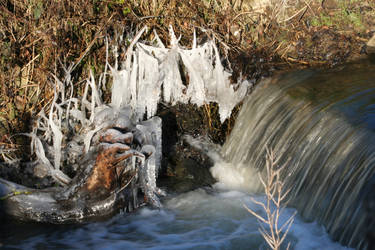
point(201, 219)
point(321, 123)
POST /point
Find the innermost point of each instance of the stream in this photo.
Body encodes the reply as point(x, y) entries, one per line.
point(322, 123)
point(200, 219)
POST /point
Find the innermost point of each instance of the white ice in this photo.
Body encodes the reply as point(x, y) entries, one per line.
point(149, 71)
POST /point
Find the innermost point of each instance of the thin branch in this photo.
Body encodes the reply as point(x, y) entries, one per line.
point(273, 187)
point(256, 215)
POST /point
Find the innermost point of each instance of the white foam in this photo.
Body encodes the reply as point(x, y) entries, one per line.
point(232, 177)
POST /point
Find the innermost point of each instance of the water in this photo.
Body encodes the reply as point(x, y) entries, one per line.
point(201, 219)
point(322, 124)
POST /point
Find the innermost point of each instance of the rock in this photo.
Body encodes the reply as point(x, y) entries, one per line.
point(187, 169)
point(371, 45)
point(183, 167)
point(40, 171)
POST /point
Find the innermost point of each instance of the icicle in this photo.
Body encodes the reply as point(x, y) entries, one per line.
point(158, 41)
point(95, 98)
point(148, 176)
point(129, 51)
point(57, 135)
point(225, 95)
point(173, 89)
point(39, 152)
point(195, 91)
point(174, 40)
point(120, 93)
point(133, 85)
point(147, 69)
point(154, 137)
point(84, 100)
point(148, 85)
point(103, 81)
point(194, 46)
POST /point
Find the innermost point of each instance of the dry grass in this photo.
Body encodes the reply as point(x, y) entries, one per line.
point(37, 37)
point(273, 233)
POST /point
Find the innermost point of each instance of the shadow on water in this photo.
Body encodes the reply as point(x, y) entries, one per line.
point(349, 91)
point(13, 231)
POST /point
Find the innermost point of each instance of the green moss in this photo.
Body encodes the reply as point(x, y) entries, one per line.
point(350, 15)
point(322, 20)
point(126, 11)
point(38, 9)
point(11, 111)
point(356, 20)
point(341, 19)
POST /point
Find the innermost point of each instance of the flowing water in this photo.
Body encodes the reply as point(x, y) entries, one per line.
point(201, 219)
point(322, 123)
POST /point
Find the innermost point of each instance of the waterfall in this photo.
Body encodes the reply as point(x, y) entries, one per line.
point(322, 123)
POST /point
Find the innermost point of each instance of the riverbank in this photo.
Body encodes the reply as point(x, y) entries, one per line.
point(40, 38)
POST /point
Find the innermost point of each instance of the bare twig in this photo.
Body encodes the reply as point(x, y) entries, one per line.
point(271, 231)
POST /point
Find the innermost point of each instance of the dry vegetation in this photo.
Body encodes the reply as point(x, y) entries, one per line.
point(273, 231)
point(38, 37)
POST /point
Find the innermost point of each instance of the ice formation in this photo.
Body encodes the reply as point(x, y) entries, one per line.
point(76, 126)
point(148, 75)
point(151, 74)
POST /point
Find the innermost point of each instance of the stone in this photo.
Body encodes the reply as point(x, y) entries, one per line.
point(40, 171)
point(371, 45)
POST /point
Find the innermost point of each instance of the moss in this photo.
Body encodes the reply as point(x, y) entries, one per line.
point(343, 18)
point(38, 9)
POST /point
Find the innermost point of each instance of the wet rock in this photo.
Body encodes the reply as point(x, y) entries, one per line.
point(23, 173)
point(187, 169)
point(183, 167)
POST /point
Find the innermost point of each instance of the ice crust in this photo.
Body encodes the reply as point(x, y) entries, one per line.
point(149, 75)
